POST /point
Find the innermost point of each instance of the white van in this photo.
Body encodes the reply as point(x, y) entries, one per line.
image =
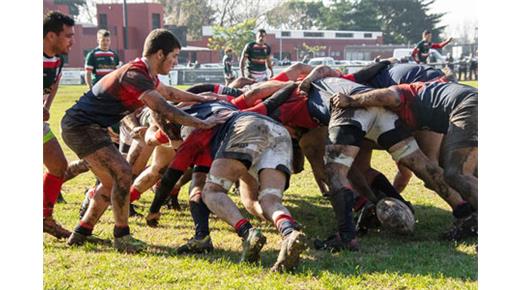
point(321, 60)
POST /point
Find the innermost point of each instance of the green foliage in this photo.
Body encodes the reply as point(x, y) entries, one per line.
point(295, 14)
point(236, 36)
point(385, 261)
point(191, 13)
point(73, 5)
point(401, 21)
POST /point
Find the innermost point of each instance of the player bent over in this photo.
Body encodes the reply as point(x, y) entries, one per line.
point(251, 144)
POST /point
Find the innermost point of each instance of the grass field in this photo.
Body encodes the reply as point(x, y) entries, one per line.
point(385, 261)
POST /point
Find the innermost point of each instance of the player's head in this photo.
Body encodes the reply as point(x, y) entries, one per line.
point(162, 46)
point(58, 32)
point(103, 39)
point(260, 35)
point(229, 51)
point(427, 35)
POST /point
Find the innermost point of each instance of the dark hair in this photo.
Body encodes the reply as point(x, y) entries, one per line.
point(426, 32)
point(160, 39)
point(54, 21)
point(103, 33)
point(261, 30)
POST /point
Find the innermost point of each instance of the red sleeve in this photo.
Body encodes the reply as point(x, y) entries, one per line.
point(281, 77)
point(414, 54)
point(440, 44)
point(349, 77)
point(407, 95)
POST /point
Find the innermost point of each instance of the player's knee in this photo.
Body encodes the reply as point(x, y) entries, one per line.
point(452, 174)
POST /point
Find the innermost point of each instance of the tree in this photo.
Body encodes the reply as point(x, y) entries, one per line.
point(235, 37)
point(405, 20)
point(74, 5)
point(191, 13)
point(295, 14)
point(401, 21)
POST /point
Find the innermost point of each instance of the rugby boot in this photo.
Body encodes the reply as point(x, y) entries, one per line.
point(129, 244)
point(367, 219)
point(53, 228)
point(77, 239)
point(196, 246)
point(152, 219)
point(336, 243)
point(252, 246)
point(289, 257)
point(462, 228)
point(173, 203)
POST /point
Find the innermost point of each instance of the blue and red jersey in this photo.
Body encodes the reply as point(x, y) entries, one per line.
point(429, 105)
point(114, 96)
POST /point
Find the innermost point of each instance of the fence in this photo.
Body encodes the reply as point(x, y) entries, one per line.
point(188, 76)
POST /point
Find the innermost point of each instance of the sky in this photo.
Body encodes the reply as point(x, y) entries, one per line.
point(460, 13)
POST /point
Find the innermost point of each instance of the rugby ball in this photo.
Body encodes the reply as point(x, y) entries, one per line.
point(395, 216)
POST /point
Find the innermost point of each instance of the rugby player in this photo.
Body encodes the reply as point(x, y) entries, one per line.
point(101, 60)
point(446, 108)
point(58, 32)
point(256, 58)
point(116, 95)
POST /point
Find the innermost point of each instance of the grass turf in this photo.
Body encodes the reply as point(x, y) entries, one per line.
point(385, 261)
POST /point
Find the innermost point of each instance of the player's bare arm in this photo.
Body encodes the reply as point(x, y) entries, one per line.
point(176, 95)
point(388, 98)
point(319, 72)
point(157, 103)
point(243, 61)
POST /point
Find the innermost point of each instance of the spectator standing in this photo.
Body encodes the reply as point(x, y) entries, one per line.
point(101, 60)
point(256, 58)
point(422, 49)
point(463, 68)
point(227, 61)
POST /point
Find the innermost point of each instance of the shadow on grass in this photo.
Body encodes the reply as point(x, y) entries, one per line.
point(422, 253)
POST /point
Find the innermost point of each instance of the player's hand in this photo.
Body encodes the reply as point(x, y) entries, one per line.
point(113, 135)
point(138, 132)
point(216, 119)
point(46, 114)
point(208, 97)
point(392, 60)
point(304, 87)
point(341, 100)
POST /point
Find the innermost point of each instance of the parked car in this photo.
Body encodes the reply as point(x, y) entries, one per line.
point(321, 60)
point(212, 66)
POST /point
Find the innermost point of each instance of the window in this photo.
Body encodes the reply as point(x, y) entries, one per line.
point(286, 33)
point(312, 34)
point(103, 21)
point(367, 35)
point(344, 35)
point(156, 20)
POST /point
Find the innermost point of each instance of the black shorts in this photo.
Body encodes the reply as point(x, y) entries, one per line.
point(463, 128)
point(84, 140)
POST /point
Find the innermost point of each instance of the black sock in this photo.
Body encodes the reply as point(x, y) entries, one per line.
point(168, 181)
point(382, 184)
point(83, 230)
point(200, 214)
point(243, 230)
point(286, 228)
point(121, 231)
point(463, 210)
point(342, 202)
point(279, 97)
point(201, 88)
